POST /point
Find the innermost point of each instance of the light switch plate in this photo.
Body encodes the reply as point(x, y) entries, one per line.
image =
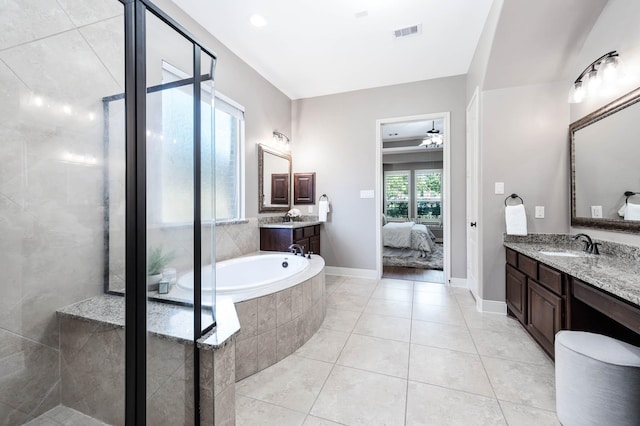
point(499, 188)
point(309, 209)
point(596, 212)
point(539, 212)
point(366, 193)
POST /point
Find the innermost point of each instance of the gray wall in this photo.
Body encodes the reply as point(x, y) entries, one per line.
point(524, 145)
point(335, 136)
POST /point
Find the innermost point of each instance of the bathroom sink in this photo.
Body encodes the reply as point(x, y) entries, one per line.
point(560, 253)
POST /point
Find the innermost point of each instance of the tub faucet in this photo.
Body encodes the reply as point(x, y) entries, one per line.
point(588, 243)
point(294, 248)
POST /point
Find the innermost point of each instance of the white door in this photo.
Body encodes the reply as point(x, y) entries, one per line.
point(473, 278)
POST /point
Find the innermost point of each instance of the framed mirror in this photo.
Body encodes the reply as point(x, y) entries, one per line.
point(274, 180)
point(605, 169)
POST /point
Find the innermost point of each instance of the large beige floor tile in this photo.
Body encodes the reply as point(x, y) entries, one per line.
point(450, 314)
point(464, 297)
point(357, 397)
point(384, 327)
point(317, 421)
point(355, 288)
point(392, 308)
point(431, 288)
point(293, 383)
point(325, 345)
point(515, 345)
point(340, 320)
point(393, 293)
point(346, 302)
point(395, 283)
point(375, 354)
point(521, 415)
point(451, 369)
point(522, 383)
point(445, 336)
point(250, 412)
point(485, 321)
point(434, 298)
point(433, 405)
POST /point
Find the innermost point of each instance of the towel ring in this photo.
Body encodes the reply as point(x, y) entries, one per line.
point(629, 194)
point(323, 196)
point(514, 196)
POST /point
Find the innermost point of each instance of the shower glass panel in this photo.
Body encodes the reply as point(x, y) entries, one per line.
point(57, 63)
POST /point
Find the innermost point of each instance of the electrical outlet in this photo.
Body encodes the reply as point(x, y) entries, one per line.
point(499, 188)
point(596, 212)
point(539, 212)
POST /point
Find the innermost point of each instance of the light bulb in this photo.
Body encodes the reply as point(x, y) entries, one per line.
point(609, 69)
point(577, 93)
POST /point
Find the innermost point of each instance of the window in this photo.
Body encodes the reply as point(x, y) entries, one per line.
point(428, 196)
point(175, 167)
point(397, 194)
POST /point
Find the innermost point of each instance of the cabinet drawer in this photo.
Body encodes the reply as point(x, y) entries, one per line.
point(528, 266)
point(316, 229)
point(550, 278)
point(298, 233)
point(622, 312)
point(512, 258)
point(307, 232)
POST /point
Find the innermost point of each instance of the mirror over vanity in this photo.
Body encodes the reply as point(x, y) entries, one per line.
point(274, 180)
point(605, 166)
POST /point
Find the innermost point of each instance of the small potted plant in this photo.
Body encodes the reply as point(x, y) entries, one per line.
point(156, 262)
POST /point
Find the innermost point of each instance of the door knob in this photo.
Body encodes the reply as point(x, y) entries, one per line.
point(473, 224)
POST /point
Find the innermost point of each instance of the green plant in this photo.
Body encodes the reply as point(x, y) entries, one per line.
point(157, 260)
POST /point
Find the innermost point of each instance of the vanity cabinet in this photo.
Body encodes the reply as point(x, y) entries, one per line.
point(536, 296)
point(279, 239)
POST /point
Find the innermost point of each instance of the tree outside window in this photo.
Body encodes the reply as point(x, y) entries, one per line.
point(428, 194)
point(397, 194)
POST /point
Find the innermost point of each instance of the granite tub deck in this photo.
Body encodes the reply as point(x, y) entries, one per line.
point(92, 362)
point(616, 270)
point(276, 325)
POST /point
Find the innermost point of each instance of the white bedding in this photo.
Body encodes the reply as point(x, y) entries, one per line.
point(408, 235)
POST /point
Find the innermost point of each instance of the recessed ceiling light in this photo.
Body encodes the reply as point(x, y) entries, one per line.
point(361, 14)
point(257, 20)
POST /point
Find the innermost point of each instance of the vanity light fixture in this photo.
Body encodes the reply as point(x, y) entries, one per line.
point(281, 140)
point(602, 71)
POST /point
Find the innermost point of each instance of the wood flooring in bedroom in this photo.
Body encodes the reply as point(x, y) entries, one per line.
point(413, 274)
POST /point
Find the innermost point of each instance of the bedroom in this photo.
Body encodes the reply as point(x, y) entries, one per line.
point(412, 219)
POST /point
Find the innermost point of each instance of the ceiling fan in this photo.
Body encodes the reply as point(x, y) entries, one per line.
point(433, 138)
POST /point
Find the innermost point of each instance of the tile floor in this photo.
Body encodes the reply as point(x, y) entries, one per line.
point(66, 416)
point(399, 352)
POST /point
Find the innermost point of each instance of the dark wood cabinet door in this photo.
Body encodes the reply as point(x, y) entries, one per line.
point(314, 244)
point(280, 188)
point(304, 188)
point(545, 315)
point(517, 293)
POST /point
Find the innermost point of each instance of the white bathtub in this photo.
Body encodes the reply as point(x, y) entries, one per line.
point(247, 277)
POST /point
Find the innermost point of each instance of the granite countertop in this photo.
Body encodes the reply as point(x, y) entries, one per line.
point(164, 320)
point(614, 272)
point(290, 225)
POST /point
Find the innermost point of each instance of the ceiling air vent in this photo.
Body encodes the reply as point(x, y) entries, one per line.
point(408, 31)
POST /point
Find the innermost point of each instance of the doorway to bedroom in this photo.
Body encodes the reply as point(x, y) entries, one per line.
point(413, 169)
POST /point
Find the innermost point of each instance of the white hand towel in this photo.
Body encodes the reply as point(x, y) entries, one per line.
point(516, 219)
point(622, 210)
point(632, 212)
point(323, 209)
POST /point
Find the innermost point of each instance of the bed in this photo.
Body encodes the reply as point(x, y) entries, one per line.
point(410, 244)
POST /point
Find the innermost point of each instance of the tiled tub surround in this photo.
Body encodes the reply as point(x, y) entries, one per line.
point(92, 362)
point(276, 325)
point(616, 270)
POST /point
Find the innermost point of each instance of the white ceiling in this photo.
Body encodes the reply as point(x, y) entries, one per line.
point(410, 129)
point(312, 48)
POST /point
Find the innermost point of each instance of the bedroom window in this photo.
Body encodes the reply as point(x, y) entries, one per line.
point(397, 193)
point(428, 195)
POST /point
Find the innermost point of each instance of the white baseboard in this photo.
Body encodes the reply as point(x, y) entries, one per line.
point(491, 306)
point(351, 272)
point(458, 282)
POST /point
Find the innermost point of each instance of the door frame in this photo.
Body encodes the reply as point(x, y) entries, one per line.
point(474, 189)
point(446, 187)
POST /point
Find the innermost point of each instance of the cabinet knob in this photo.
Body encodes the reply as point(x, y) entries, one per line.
point(473, 224)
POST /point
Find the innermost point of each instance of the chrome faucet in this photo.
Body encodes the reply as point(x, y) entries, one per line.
point(589, 245)
point(294, 248)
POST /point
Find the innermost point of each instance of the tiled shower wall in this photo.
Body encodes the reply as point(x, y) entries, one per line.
point(57, 60)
